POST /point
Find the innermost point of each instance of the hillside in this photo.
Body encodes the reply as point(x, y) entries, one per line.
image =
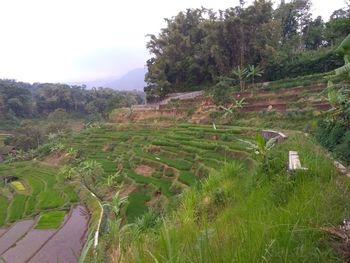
point(240, 152)
point(186, 171)
point(296, 99)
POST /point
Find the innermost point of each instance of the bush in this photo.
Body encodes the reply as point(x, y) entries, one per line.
point(342, 150)
point(283, 65)
point(44, 149)
point(330, 133)
point(221, 94)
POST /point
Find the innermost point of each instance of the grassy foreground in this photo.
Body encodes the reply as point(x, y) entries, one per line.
point(239, 215)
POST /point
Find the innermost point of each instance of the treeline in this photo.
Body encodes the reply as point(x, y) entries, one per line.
point(199, 45)
point(24, 100)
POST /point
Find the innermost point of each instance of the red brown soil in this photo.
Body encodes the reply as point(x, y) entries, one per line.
point(106, 148)
point(258, 100)
point(131, 188)
point(157, 195)
point(142, 114)
point(76, 126)
point(152, 201)
point(56, 158)
point(144, 170)
point(154, 149)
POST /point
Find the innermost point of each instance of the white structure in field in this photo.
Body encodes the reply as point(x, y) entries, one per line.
point(294, 162)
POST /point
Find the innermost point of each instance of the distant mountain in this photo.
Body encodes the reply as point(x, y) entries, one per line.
point(133, 80)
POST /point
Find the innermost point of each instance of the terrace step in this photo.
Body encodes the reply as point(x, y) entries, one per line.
point(295, 90)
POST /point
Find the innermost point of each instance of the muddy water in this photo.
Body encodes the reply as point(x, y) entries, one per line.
point(27, 246)
point(2, 231)
point(14, 233)
point(65, 246)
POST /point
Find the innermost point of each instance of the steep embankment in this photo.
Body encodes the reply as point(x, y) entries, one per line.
point(265, 214)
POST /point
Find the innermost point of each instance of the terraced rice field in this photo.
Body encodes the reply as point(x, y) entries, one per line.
point(38, 188)
point(37, 222)
point(157, 163)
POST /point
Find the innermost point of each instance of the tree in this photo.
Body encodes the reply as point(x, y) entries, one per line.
point(313, 34)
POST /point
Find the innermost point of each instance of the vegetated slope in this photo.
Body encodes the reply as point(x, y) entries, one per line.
point(289, 102)
point(152, 163)
point(260, 215)
point(43, 190)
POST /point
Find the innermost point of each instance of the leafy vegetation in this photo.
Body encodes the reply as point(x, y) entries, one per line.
point(26, 100)
point(333, 132)
point(251, 215)
point(198, 47)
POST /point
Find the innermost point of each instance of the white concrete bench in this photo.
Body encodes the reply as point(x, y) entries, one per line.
point(294, 162)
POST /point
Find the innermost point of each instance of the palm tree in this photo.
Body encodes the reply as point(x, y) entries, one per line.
point(254, 72)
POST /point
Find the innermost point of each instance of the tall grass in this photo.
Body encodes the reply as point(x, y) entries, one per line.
point(259, 215)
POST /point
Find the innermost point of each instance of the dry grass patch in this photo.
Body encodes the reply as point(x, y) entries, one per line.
point(144, 170)
point(56, 158)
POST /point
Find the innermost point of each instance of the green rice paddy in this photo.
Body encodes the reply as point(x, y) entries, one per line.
point(50, 220)
point(38, 189)
point(178, 156)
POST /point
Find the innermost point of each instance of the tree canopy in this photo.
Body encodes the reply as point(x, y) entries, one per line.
point(199, 45)
point(21, 100)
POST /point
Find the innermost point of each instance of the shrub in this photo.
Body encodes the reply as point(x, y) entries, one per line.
point(342, 150)
point(301, 64)
point(329, 133)
point(221, 94)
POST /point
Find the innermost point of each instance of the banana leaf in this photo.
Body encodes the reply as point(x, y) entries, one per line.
point(342, 70)
point(344, 47)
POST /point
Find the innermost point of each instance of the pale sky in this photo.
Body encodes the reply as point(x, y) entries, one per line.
point(82, 40)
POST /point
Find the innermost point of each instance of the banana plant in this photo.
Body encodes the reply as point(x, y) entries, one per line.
point(117, 204)
point(344, 49)
point(338, 98)
point(237, 105)
point(260, 146)
point(254, 72)
point(241, 74)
